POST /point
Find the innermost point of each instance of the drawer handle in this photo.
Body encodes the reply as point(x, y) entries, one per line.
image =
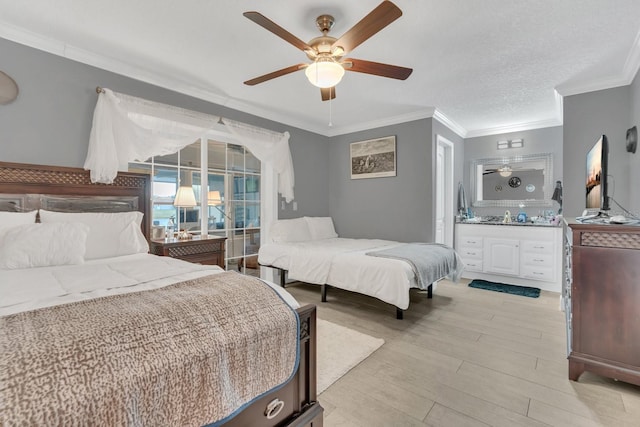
point(539, 274)
point(273, 408)
point(538, 247)
point(471, 253)
point(471, 241)
point(538, 260)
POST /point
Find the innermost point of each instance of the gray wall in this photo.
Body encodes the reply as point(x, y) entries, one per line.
point(50, 121)
point(395, 208)
point(536, 141)
point(586, 117)
point(634, 159)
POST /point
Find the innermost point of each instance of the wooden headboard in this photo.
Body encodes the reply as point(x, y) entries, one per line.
point(29, 187)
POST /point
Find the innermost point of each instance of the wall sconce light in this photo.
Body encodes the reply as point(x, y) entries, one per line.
point(516, 143)
point(512, 143)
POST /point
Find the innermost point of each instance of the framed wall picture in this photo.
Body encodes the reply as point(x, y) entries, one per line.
point(373, 158)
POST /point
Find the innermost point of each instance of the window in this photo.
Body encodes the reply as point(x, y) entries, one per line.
point(233, 174)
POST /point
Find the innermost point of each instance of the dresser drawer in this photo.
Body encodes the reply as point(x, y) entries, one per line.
point(538, 259)
point(470, 242)
point(471, 264)
point(470, 253)
point(544, 274)
point(538, 246)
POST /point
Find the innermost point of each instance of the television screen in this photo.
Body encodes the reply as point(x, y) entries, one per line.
point(596, 183)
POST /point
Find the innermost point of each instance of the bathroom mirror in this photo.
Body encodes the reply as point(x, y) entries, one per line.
point(512, 181)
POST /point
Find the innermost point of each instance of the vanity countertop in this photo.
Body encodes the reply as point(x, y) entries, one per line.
point(496, 221)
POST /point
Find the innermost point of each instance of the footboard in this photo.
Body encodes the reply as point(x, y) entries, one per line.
point(295, 403)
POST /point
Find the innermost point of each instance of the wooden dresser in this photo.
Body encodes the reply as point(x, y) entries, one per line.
point(602, 300)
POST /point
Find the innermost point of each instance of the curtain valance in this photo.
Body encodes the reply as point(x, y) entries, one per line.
point(126, 129)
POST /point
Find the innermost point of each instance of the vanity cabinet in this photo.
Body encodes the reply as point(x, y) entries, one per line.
point(470, 248)
point(501, 256)
point(525, 255)
point(602, 296)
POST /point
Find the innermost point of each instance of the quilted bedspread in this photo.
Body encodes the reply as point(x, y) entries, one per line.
point(187, 354)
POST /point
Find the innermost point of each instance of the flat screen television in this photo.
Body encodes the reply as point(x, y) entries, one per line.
point(596, 182)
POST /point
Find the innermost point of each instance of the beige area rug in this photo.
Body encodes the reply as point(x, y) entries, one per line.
point(339, 350)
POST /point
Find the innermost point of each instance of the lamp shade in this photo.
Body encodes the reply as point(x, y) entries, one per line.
point(185, 198)
point(324, 73)
point(214, 198)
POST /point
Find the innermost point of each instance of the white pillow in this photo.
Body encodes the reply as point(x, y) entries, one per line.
point(321, 227)
point(290, 230)
point(42, 245)
point(13, 219)
point(110, 234)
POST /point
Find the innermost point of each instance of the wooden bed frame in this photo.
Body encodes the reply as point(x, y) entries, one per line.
point(295, 403)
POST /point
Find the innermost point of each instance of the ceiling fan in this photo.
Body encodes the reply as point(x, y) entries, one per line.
point(327, 53)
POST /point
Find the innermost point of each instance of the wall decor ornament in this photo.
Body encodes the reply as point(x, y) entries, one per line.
point(8, 89)
point(373, 158)
point(514, 182)
point(632, 139)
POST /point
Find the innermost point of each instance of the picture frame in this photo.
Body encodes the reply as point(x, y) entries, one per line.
point(157, 232)
point(373, 158)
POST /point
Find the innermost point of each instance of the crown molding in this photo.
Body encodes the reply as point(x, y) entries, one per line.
point(570, 89)
point(628, 73)
point(632, 64)
point(49, 45)
point(518, 127)
point(452, 125)
point(37, 41)
point(387, 121)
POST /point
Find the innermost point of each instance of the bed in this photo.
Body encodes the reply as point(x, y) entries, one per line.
point(96, 330)
point(308, 249)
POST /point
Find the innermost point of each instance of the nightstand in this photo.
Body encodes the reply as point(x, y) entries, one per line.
point(199, 249)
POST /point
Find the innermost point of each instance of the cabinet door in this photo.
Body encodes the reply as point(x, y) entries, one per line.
point(501, 256)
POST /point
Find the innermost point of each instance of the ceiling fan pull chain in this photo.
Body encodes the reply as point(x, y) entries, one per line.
point(330, 124)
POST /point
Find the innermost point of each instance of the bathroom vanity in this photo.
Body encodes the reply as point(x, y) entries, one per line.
point(519, 254)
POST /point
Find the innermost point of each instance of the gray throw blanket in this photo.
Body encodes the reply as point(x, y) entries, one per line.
point(187, 354)
point(429, 261)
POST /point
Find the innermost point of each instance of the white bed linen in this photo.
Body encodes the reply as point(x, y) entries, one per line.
point(343, 263)
point(32, 288)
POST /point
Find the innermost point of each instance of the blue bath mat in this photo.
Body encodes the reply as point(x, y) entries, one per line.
point(524, 291)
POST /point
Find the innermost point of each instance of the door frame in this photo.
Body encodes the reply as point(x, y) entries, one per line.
point(446, 174)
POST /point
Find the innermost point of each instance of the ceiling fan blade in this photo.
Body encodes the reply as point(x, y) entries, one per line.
point(276, 29)
point(377, 68)
point(275, 74)
point(376, 20)
point(328, 93)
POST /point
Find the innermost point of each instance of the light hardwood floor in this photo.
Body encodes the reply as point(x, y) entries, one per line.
point(468, 357)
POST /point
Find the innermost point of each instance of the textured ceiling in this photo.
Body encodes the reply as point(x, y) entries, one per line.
point(484, 66)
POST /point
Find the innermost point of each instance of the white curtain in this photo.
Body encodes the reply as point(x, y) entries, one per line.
point(270, 147)
point(126, 129)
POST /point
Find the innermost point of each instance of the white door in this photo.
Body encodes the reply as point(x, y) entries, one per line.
point(444, 192)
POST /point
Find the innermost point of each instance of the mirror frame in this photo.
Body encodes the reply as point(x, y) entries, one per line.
point(546, 158)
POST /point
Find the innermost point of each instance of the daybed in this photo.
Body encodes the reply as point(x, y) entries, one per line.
point(308, 249)
point(94, 330)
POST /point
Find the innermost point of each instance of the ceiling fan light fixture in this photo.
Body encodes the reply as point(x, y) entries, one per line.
point(324, 73)
point(505, 171)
